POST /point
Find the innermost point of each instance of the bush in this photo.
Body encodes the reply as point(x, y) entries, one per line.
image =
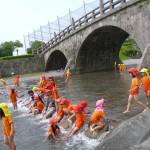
point(16, 57)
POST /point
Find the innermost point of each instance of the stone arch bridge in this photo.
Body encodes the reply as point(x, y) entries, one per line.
point(93, 42)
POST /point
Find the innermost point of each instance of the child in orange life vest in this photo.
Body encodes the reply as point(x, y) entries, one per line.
point(13, 97)
point(80, 119)
point(68, 74)
point(42, 82)
point(115, 65)
point(145, 82)
point(55, 94)
point(51, 81)
point(54, 130)
point(7, 126)
point(97, 118)
point(4, 86)
point(134, 90)
point(64, 103)
point(39, 106)
point(4, 83)
point(16, 81)
point(83, 104)
point(119, 66)
point(124, 68)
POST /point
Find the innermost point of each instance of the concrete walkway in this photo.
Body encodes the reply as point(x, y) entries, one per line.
point(132, 61)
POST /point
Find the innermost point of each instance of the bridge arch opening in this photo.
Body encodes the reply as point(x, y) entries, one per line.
point(100, 49)
point(56, 61)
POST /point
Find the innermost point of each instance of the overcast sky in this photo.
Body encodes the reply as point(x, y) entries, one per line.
point(18, 17)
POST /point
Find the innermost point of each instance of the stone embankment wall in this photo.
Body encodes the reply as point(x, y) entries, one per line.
point(21, 66)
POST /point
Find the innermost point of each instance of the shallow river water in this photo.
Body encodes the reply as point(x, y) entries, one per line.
point(110, 85)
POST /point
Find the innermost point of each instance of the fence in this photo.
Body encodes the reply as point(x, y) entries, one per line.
point(53, 32)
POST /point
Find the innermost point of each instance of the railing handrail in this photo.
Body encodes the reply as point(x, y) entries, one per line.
point(78, 23)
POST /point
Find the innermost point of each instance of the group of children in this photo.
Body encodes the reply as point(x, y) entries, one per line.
point(121, 67)
point(136, 84)
point(56, 108)
point(45, 100)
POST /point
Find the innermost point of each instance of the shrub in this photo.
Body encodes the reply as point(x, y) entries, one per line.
point(16, 57)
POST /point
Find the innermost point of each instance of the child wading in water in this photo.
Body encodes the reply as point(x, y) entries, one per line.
point(97, 118)
point(13, 97)
point(16, 81)
point(146, 83)
point(80, 119)
point(54, 130)
point(4, 86)
point(7, 126)
point(134, 90)
point(68, 74)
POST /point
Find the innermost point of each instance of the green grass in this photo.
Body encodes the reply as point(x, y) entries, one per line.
point(16, 57)
point(123, 57)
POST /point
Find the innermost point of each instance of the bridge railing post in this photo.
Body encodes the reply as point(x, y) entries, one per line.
point(73, 24)
point(55, 36)
point(123, 1)
point(101, 7)
point(111, 5)
point(93, 15)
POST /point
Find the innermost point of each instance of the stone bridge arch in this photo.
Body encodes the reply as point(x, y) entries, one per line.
point(100, 49)
point(130, 19)
point(56, 61)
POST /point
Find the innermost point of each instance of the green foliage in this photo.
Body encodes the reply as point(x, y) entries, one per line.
point(29, 50)
point(7, 48)
point(34, 45)
point(129, 48)
point(16, 57)
point(123, 57)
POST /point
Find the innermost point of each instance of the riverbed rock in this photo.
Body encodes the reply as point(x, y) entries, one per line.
point(132, 134)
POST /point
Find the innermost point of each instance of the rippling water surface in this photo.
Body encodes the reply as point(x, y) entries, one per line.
point(112, 86)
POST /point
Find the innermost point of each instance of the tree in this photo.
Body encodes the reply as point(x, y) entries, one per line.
point(129, 48)
point(34, 45)
point(7, 48)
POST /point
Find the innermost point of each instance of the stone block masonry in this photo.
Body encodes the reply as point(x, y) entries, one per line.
point(21, 66)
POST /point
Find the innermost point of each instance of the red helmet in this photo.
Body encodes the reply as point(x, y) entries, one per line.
point(17, 76)
point(52, 121)
point(83, 104)
point(36, 98)
point(77, 109)
point(64, 101)
point(134, 71)
point(12, 89)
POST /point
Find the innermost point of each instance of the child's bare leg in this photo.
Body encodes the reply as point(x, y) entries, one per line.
point(140, 103)
point(13, 105)
point(59, 119)
point(129, 103)
point(73, 131)
point(99, 125)
point(70, 131)
point(11, 141)
point(6, 141)
point(147, 97)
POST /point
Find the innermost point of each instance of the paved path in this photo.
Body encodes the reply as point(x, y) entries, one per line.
point(132, 61)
